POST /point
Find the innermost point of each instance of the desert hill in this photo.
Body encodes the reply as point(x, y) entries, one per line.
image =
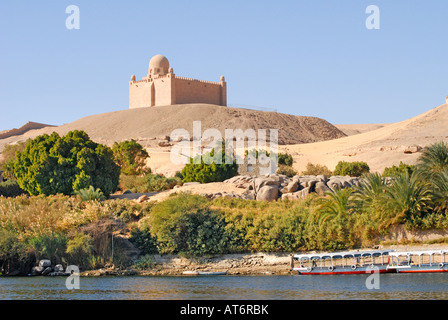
point(380, 148)
point(351, 129)
point(23, 129)
point(308, 139)
point(148, 124)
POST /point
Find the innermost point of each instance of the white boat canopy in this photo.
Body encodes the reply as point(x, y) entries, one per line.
point(418, 253)
point(340, 255)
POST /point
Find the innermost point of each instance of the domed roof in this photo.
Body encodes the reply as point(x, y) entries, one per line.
point(159, 61)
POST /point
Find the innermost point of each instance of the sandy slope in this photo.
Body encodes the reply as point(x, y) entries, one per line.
point(378, 145)
point(379, 148)
point(147, 125)
point(351, 129)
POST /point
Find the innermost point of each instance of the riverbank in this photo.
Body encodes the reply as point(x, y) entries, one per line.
point(235, 264)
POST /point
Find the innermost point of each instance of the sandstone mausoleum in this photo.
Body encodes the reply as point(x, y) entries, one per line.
point(161, 87)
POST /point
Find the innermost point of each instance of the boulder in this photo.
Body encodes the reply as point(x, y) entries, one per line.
point(190, 183)
point(249, 195)
point(303, 193)
point(37, 271)
point(335, 183)
point(47, 271)
point(293, 186)
point(412, 149)
point(307, 181)
point(297, 195)
point(142, 199)
point(322, 178)
point(164, 143)
point(45, 263)
point(240, 181)
point(261, 182)
point(267, 193)
point(321, 188)
point(58, 268)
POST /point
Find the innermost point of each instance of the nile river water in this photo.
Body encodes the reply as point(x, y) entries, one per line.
point(346, 287)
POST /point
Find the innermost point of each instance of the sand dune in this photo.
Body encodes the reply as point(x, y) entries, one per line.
point(309, 139)
point(380, 148)
point(351, 129)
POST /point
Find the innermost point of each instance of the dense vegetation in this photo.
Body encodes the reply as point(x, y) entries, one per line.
point(317, 169)
point(211, 167)
point(148, 183)
point(130, 157)
point(51, 164)
point(79, 230)
point(352, 169)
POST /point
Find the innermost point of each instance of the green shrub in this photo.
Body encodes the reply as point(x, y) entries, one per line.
point(185, 224)
point(54, 164)
point(101, 233)
point(90, 194)
point(12, 252)
point(206, 168)
point(50, 246)
point(158, 182)
point(9, 157)
point(317, 169)
point(396, 170)
point(148, 183)
point(145, 262)
point(128, 210)
point(10, 188)
point(285, 159)
point(80, 250)
point(287, 170)
point(142, 239)
point(131, 157)
point(136, 184)
point(352, 169)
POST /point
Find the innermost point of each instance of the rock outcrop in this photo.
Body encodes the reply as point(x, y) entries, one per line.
point(278, 186)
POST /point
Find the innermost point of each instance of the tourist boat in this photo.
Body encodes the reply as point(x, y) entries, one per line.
point(419, 261)
point(204, 273)
point(357, 262)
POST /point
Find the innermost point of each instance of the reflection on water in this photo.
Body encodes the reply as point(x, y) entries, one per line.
point(351, 287)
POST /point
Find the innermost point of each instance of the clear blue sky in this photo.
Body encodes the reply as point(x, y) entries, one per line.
point(313, 58)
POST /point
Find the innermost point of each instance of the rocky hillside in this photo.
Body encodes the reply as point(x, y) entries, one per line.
point(148, 124)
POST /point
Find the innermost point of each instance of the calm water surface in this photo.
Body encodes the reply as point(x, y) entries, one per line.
point(291, 287)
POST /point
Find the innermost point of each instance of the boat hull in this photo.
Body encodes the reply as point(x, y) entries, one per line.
point(423, 269)
point(346, 270)
point(204, 273)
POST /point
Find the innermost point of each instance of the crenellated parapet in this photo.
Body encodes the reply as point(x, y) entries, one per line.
point(162, 87)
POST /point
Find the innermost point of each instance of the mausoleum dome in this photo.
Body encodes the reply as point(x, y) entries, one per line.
point(159, 65)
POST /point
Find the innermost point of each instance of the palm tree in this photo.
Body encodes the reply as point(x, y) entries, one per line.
point(440, 192)
point(372, 189)
point(408, 195)
point(433, 160)
point(337, 205)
